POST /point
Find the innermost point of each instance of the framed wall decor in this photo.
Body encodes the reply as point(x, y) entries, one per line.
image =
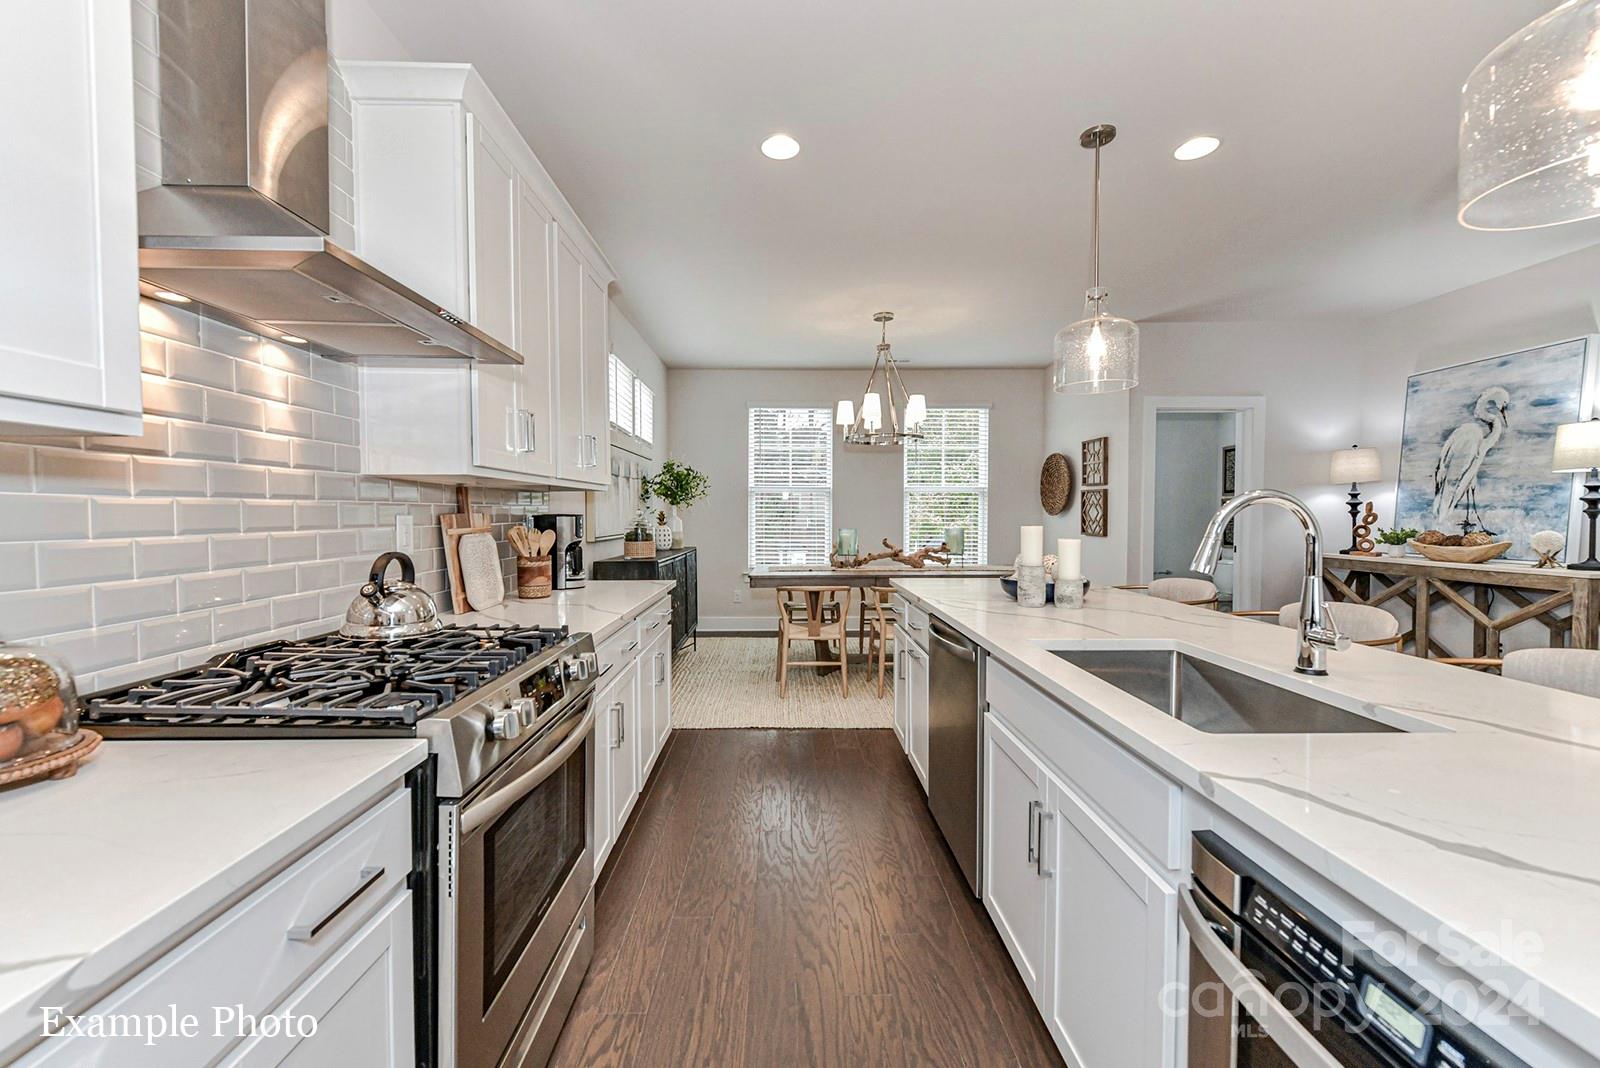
point(1093, 510)
point(1095, 461)
point(1230, 455)
point(1477, 442)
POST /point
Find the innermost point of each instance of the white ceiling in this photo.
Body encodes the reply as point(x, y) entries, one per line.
point(940, 175)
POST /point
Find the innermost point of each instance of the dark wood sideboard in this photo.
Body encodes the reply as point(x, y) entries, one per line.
point(679, 566)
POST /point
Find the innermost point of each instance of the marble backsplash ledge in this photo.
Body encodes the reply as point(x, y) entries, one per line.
point(238, 516)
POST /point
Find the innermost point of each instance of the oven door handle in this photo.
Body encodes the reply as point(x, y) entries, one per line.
point(486, 809)
point(1296, 1043)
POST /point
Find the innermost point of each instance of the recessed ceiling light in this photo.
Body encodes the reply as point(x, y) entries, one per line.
point(167, 294)
point(1196, 147)
point(293, 339)
point(780, 146)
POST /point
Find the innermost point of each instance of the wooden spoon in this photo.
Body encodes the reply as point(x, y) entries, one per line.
point(518, 536)
point(547, 541)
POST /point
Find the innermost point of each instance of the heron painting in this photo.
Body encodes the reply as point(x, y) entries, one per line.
point(1476, 448)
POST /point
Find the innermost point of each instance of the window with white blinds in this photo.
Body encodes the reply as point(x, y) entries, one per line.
point(947, 481)
point(791, 486)
point(644, 412)
point(621, 381)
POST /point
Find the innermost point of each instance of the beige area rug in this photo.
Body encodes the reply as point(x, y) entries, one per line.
point(733, 682)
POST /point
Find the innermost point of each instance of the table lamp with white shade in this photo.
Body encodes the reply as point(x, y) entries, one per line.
point(1578, 449)
point(1355, 465)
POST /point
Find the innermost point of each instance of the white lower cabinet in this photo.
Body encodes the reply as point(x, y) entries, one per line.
point(621, 710)
point(632, 719)
point(655, 695)
point(361, 1001)
point(1091, 927)
point(917, 712)
point(902, 690)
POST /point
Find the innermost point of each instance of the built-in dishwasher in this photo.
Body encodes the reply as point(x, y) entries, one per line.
point(955, 750)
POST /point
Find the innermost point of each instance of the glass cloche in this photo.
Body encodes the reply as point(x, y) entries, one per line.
point(39, 706)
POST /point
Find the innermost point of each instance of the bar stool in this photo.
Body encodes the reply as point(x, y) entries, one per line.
point(1363, 624)
point(1201, 593)
point(817, 617)
point(1573, 670)
point(876, 628)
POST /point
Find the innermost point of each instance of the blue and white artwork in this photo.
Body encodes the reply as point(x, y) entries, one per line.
point(1476, 449)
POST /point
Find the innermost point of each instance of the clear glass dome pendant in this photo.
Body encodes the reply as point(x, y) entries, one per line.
point(1530, 126)
point(1100, 352)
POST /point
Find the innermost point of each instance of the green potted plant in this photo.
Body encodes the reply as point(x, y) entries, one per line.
point(679, 485)
point(1393, 542)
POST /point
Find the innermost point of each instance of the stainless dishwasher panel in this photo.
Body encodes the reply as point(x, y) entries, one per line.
point(955, 752)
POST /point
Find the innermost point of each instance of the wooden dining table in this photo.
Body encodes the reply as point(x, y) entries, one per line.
point(861, 578)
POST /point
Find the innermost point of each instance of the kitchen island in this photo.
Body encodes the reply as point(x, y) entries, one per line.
point(1474, 829)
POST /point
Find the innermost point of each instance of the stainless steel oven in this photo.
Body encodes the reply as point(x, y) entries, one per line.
point(1273, 983)
point(516, 905)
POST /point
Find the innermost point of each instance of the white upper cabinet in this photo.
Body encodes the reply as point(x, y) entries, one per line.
point(69, 236)
point(451, 201)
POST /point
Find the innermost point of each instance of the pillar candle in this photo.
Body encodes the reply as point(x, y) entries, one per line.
point(1069, 558)
point(1033, 546)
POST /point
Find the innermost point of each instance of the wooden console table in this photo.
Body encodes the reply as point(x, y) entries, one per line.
point(1423, 584)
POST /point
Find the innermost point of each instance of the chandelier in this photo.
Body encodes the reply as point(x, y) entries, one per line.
point(1100, 352)
point(866, 427)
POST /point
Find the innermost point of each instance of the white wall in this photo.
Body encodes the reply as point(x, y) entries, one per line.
point(709, 430)
point(1188, 482)
point(1069, 420)
point(357, 31)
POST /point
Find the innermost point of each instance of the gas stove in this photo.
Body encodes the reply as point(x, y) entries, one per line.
point(473, 691)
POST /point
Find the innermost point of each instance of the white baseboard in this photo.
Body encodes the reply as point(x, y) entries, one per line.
point(738, 624)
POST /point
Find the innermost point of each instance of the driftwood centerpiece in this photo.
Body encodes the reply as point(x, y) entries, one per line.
point(939, 554)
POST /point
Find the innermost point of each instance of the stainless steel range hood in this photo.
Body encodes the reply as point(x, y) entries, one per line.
point(241, 219)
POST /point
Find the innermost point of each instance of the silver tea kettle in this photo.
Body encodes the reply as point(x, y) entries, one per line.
point(390, 610)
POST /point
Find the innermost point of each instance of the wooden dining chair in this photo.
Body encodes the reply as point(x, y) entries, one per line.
point(1363, 624)
point(1201, 593)
point(878, 621)
point(815, 614)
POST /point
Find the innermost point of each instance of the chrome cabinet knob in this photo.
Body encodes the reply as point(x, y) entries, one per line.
point(505, 724)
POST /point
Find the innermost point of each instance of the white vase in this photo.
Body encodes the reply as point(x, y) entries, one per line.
point(1384, 549)
point(677, 528)
point(663, 536)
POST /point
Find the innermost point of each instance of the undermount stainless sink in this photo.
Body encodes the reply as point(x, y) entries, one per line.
point(1215, 699)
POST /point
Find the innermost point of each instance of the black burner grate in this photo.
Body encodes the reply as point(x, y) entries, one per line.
point(326, 683)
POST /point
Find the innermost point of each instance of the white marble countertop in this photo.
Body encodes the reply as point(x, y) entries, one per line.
point(102, 873)
point(601, 608)
point(1481, 837)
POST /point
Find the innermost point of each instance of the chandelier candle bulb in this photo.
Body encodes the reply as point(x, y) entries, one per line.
point(846, 414)
point(1032, 547)
point(872, 411)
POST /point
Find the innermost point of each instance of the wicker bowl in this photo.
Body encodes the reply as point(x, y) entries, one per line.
point(1461, 554)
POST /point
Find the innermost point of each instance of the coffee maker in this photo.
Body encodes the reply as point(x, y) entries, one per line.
point(566, 558)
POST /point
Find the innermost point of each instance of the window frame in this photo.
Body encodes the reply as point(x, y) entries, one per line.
point(976, 549)
point(755, 490)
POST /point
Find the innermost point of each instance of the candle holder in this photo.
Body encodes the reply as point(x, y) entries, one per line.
point(1069, 593)
point(1030, 585)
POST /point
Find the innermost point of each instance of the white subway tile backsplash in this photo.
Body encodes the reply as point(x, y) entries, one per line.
point(35, 517)
point(265, 382)
point(230, 409)
point(125, 602)
point(168, 478)
point(336, 488)
point(306, 393)
point(17, 569)
point(336, 429)
point(167, 321)
point(284, 357)
point(16, 468)
point(170, 556)
point(319, 576)
point(234, 480)
point(374, 489)
point(357, 515)
point(313, 454)
point(302, 484)
point(193, 364)
point(110, 517)
point(334, 603)
point(136, 672)
point(34, 612)
point(315, 516)
point(347, 402)
point(268, 515)
point(264, 582)
point(377, 539)
point(405, 491)
point(288, 548)
point(335, 372)
point(347, 458)
point(229, 340)
point(296, 422)
point(239, 550)
point(152, 354)
point(85, 651)
point(73, 563)
point(208, 517)
point(204, 442)
point(75, 471)
point(154, 438)
point(263, 449)
point(243, 621)
point(165, 397)
point(159, 637)
point(337, 543)
point(210, 590)
point(302, 608)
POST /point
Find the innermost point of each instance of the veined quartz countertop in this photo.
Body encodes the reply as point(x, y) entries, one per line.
point(601, 608)
point(102, 873)
point(1481, 839)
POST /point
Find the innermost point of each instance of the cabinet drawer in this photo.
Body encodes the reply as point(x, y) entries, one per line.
point(259, 950)
point(1136, 798)
point(656, 618)
point(914, 620)
point(621, 647)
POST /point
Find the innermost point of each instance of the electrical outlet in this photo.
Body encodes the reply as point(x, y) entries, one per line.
point(402, 533)
point(738, 595)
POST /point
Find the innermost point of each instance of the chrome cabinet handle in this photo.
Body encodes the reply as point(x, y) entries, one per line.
point(532, 437)
point(630, 648)
point(621, 732)
point(1044, 814)
point(306, 932)
point(661, 668)
point(1033, 850)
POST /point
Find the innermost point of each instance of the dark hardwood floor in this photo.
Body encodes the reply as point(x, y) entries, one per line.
point(784, 898)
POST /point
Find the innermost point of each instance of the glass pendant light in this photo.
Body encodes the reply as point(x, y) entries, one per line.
point(1100, 352)
point(1530, 125)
